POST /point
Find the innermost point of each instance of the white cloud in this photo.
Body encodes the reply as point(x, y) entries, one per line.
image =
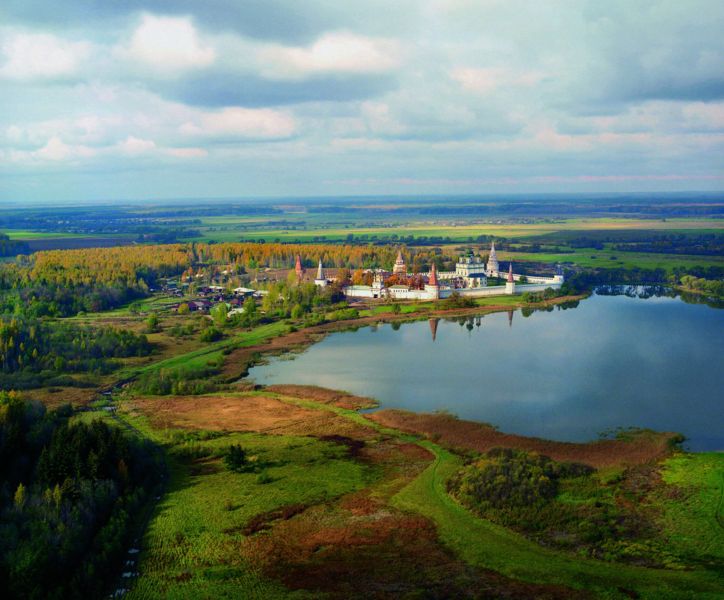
point(247, 123)
point(31, 56)
point(167, 46)
point(134, 146)
point(488, 80)
point(333, 53)
point(187, 152)
point(57, 150)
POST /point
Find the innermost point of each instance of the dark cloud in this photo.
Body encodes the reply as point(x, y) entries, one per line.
point(706, 90)
point(284, 21)
point(228, 89)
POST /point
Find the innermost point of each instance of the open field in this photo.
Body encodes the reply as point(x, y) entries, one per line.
point(52, 240)
point(332, 511)
point(695, 523)
point(256, 412)
point(609, 258)
point(457, 229)
point(24, 234)
point(194, 545)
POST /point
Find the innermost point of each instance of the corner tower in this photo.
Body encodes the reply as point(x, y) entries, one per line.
point(510, 284)
point(432, 287)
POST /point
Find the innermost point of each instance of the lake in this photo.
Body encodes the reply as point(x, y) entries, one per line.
point(612, 361)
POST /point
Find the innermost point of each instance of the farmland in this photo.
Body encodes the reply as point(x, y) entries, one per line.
point(457, 231)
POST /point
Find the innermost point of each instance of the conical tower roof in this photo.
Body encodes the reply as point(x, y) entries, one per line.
point(433, 276)
point(510, 273)
point(298, 268)
point(399, 264)
point(493, 255)
point(433, 328)
point(320, 270)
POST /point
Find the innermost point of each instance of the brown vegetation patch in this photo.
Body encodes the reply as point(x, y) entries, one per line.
point(250, 412)
point(324, 396)
point(53, 397)
point(204, 466)
point(384, 554)
point(360, 547)
point(264, 521)
point(353, 446)
point(638, 448)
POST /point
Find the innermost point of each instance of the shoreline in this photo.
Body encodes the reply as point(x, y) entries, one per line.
point(301, 339)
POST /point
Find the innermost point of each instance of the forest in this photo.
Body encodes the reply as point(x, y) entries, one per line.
point(69, 492)
point(35, 353)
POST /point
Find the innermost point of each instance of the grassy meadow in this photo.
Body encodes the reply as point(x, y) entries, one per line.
point(216, 532)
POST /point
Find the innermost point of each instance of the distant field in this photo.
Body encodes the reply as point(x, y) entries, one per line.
point(455, 229)
point(608, 258)
point(24, 234)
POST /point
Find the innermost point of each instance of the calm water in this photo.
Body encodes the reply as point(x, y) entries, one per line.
point(566, 375)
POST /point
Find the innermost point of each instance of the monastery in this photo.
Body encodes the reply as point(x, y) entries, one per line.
point(469, 279)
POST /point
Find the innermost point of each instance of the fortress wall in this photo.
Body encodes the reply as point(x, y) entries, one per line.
point(535, 287)
point(359, 291)
point(493, 290)
point(499, 290)
point(531, 278)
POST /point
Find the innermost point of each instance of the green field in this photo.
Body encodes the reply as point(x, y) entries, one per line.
point(24, 234)
point(609, 258)
point(193, 546)
point(456, 229)
point(213, 352)
point(696, 524)
point(189, 549)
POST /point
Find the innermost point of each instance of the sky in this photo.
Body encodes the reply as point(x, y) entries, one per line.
point(150, 99)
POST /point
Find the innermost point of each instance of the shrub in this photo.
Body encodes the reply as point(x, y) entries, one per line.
point(211, 334)
point(455, 300)
point(235, 459)
point(152, 324)
point(506, 478)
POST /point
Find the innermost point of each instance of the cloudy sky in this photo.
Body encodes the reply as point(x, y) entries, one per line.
point(182, 98)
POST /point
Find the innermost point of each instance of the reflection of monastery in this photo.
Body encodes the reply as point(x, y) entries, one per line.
point(469, 279)
point(469, 323)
